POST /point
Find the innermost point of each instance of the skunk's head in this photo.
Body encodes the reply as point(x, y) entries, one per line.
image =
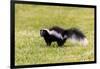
point(44, 32)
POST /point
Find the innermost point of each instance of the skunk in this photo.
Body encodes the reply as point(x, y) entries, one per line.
point(60, 35)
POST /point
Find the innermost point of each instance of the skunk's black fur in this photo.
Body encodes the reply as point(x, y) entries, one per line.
point(60, 35)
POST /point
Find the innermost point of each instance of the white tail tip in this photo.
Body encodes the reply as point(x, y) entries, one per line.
point(84, 42)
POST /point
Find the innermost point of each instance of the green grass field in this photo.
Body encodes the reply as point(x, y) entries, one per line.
point(30, 48)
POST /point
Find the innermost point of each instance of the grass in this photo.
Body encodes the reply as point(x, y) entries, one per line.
point(30, 48)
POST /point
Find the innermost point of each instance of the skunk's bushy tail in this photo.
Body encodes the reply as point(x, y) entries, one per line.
point(76, 35)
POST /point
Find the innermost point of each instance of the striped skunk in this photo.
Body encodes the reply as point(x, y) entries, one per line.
point(60, 35)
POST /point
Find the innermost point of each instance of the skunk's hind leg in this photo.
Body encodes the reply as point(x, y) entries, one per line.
point(61, 43)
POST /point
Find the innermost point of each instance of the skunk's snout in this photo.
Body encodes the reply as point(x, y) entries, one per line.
point(41, 32)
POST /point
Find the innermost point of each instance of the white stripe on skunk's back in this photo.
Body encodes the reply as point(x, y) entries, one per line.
point(84, 42)
point(56, 34)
